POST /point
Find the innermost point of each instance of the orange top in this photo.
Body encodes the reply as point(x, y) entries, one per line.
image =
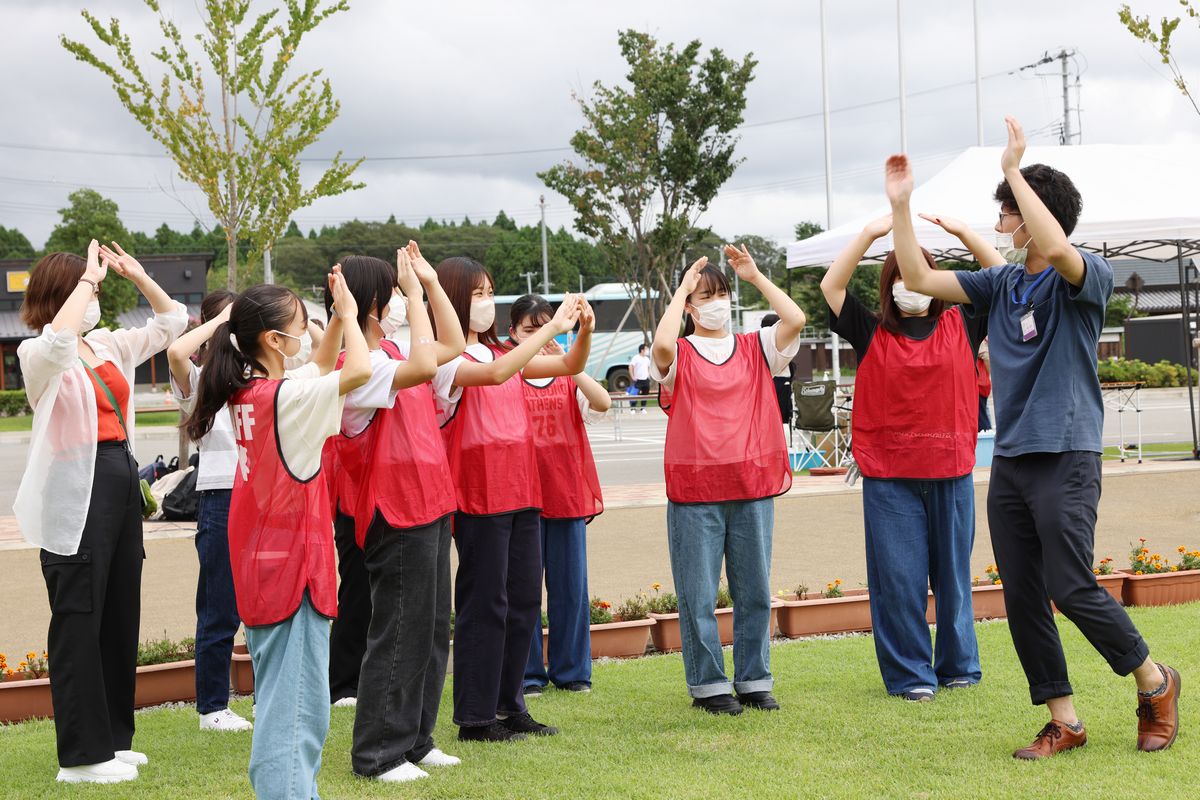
point(108, 427)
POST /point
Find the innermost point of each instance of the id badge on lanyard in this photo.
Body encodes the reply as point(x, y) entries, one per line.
point(1028, 325)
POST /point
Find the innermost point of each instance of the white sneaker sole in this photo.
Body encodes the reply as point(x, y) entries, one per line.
point(87, 779)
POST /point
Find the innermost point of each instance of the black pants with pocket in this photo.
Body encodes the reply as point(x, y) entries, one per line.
point(95, 611)
point(408, 644)
point(1042, 515)
point(497, 594)
point(348, 636)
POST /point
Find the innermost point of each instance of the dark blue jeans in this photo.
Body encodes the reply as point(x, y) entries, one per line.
point(568, 610)
point(216, 605)
point(919, 536)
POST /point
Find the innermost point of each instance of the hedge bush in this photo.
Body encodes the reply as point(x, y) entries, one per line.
point(14, 403)
point(1164, 374)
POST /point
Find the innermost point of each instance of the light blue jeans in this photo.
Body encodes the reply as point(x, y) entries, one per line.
point(291, 693)
point(700, 536)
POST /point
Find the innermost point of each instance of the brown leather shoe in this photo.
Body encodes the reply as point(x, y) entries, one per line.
point(1158, 716)
point(1053, 739)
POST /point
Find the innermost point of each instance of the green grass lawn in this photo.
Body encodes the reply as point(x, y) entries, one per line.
point(24, 422)
point(1111, 453)
point(636, 735)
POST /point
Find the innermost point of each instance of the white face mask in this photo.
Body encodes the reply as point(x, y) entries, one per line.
point(1010, 254)
point(910, 302)
point(397, 315)
point(302, 355)
point(483, 315)
point(91, 317)
point(713, 315)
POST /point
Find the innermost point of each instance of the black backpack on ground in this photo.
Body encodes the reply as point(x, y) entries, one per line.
point(157, 468)
point(182, 503)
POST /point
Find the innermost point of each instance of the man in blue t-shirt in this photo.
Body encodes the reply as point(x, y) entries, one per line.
point(1046, 308)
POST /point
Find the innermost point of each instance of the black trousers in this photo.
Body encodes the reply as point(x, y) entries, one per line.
point(497, 597)
point(1042, 515)
point(408, 644)
point(348, 636)
point(95, 611)
point(643, 387)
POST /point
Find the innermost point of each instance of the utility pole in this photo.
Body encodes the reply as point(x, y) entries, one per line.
point(1063, 55)
point(268, 275)
point(545, 252)
point(528, 276)
point(978, 79)
point(834, 343)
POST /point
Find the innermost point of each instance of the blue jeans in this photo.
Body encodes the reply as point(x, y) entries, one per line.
point(564, 553)
point(291, 689)
point(216, 605)
point(919, 537)
point(699, 536)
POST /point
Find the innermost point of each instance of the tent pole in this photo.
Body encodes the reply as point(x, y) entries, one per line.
point(834, 344)
point(978, 85)
point(1186, 321)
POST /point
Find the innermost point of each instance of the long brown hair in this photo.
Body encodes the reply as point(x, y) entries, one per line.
point(889, 312)
point(460, 276)
point(51, 282)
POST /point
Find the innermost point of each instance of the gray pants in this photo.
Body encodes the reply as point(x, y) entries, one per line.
point(408, 643)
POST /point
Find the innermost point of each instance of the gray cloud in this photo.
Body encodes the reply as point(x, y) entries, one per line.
point(467, 77)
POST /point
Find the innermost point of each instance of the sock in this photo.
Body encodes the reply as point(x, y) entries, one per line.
point(1162, 687)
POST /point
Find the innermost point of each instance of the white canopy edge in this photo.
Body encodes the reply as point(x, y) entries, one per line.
point(1137, 199)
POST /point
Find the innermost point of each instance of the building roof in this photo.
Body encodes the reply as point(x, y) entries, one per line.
point(1153, 273)
point(1158, 302)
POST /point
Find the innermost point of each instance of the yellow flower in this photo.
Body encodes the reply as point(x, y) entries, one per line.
point(1139, 572)
point(1174, 569)
point(996, 582)
point(975, 577)
point(31, 655)
point(656, 586)
point(1181, 549)
point(1096, 571)
point(829, 586)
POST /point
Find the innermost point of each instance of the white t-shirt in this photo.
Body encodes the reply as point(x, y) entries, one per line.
point(376, 393)
point(719, 350)
point(639, 367)
point(308, 412)
point(218, 450)
point(590, 415)
point(445, 394)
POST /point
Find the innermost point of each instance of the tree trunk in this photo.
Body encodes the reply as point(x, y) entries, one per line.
point(231, 250)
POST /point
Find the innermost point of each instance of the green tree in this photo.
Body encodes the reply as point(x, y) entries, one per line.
point(241, 147)
point(13, 244)
point(1120, 308)
point(651, 157)
point(93, 216)
point(1160, 40)
point(807, 229)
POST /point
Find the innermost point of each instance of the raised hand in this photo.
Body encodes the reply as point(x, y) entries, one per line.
point(553, 348)
point(424, 270)
point(567, 314)
point(955, 227)
point(95, 269)
point(121, 262)
point(343, 300)
point(877, 228)
point(406, 275)
point(691, 277)
point(587, 316)
point(898, 179)
point(742, 262)
point(1011, 158)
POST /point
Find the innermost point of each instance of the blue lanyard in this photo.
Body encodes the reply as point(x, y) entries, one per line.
point(1030, 288)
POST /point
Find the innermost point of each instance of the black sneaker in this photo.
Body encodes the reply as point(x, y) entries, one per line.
point(719, 704)
point(576, 686)
point(763, 701)
point(495, 732)
point(523, 724)
point(532, 690)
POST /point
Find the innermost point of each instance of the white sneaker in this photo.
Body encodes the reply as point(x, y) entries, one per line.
point(224, 720)
point(132, 757)
point(436, 758)
point(346, 702)
point(407, 771)
point(111, 771)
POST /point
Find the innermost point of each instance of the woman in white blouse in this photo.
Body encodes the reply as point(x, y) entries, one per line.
point(80, 502)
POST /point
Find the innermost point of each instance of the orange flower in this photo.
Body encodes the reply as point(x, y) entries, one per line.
point(656, 586)
point(837, 581)
point(1181, 549)
point(1144, 550)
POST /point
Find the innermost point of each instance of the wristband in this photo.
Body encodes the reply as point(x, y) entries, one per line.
point(95, 286)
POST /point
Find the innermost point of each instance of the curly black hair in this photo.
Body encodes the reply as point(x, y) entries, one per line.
point(1053, 188)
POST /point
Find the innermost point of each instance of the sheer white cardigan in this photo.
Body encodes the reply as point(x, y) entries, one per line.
point(56, 489)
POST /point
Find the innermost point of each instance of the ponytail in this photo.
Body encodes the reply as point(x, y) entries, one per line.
point(230, 360)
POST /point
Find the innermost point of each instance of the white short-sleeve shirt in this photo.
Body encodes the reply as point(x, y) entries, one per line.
point(720, 349)
point(218, 450)
point(446, 395)
point(376, 393)
point(308, 412)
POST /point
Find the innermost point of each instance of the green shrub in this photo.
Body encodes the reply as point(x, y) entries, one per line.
point(601, 611)
point(14, 403)
point(1162, 375)
point(631, 608)
point(164, 651)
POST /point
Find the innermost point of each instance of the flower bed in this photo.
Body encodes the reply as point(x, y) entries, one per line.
point(667, 638)
point(1162, 589)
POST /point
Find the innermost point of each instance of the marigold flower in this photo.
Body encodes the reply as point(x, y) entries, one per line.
point(1139, 572)
point(656, 586)
point(829, 586)
point(1096, 571)
point(31, 655)
point(1145, 550)
point(1174, 568)
point(837, 581)
point(996, 582)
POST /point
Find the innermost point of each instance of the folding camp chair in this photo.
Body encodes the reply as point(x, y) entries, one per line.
point(820, 429)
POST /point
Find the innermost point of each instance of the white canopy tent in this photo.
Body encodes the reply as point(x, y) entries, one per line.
point(1137, 199)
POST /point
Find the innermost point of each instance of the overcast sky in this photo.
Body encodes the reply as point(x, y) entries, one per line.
point(468, 77)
